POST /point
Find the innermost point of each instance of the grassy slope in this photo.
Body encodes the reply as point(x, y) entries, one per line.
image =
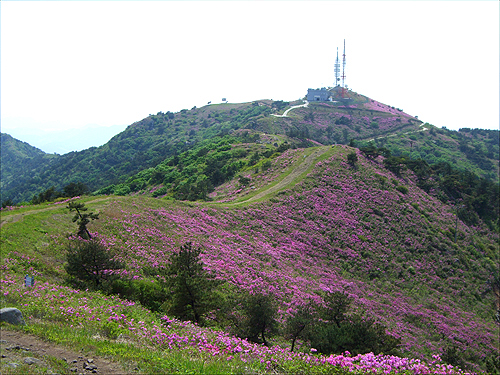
point(338, 228)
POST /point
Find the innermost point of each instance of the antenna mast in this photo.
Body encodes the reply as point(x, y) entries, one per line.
point(343, 73)
point(337, 70)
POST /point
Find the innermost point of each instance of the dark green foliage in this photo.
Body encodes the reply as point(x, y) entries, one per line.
point(370, 151)
point(75, 189)
point(48, 195)
point(402, 189)
point(395, 164)
point(343, 121)
point(341, 331)
point(337, 306)
point(90, 264)
point(190, 286)
point(352, 158)
point(82, 218)
point(280, 104)
point(149, 294)
point(244, 180)
point(7, 202)
point(493, 364)
point(301, 324)
point(256, 320)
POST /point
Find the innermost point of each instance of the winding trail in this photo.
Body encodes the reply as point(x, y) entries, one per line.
point(297, 171)
point(12, 218)
point(292, 107)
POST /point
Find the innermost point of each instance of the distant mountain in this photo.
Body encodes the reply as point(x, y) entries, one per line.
point(20, 159)
point(149, 142)
point(68, 140)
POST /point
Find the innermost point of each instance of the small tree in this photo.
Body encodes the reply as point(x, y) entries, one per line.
point(352, 158)
point(340, 332)
point(299, 324)
point(257, 318)
point(90, 263)
point(74, 189)
point(191, 286)
point(82, 219)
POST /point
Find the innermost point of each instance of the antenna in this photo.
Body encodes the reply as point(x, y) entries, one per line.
point(337, 70)
point(343, 73)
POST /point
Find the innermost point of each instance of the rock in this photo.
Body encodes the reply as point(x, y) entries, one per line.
point(31, 361)
point(13, 364)
point(74, 369)
point(11, 315)
point(90, 360)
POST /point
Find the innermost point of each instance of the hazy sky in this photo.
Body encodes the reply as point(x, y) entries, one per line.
point(68, 64)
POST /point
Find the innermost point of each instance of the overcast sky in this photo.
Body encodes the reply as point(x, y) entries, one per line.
point(68, 64)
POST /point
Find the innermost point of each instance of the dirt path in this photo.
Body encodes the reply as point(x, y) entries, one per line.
point(292, 107)
point(301, 168)
point(19, 349)
point(17, 217)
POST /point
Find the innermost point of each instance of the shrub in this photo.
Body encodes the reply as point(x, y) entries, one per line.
point(402, 189)
point(90, 264)
point(357, 334)
point(257, 318)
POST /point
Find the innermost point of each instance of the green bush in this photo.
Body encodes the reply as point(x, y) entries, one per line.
point(402, 189)
point(90, 264)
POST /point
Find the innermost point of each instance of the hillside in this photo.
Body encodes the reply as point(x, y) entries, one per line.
point(149, 142)
point(18, 159)
point(401, 253)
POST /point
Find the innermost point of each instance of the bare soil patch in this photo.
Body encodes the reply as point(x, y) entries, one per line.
point(21, 350)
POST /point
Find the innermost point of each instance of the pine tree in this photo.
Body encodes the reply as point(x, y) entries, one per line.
point(191, 286)
point(89, 263)
point(82, 219)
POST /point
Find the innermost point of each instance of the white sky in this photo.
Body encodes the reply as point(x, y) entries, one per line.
point(68, 64)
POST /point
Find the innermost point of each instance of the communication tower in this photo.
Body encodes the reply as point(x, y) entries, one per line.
point(337, 70)
point(343, 74)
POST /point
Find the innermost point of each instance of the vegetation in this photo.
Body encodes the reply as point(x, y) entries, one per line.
point(90, 264)
point(82, 218)
point(189, 285)
point(477, 197)
point(365, 255)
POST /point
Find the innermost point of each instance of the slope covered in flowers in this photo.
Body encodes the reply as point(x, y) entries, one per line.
point(359, 230)
point(164, 345)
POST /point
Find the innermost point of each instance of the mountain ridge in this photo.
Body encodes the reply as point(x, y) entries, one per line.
point(148, 142)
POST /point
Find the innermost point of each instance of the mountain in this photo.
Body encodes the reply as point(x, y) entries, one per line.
point(18, 159)
point(149, 142)
point(310, 222)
